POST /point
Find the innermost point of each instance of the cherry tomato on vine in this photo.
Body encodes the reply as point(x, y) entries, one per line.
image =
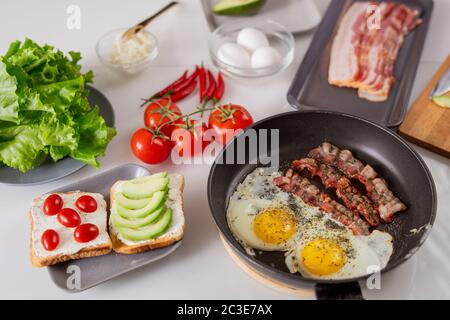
point(148, 147)
point(189, 139)
point(161, 112)
point(52, 204)
point(226, 119)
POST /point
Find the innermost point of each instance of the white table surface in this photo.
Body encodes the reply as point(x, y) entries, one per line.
point(200, 268)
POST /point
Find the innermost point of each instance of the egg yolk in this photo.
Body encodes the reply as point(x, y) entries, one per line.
point(322, 257)
point(274, 226)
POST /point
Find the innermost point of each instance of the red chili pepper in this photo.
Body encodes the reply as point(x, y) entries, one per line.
point(184, 92)
point(185, 83)
point(220, 88)
point(202, 81)
point(164, 91)
point(178, 85)
point(211, 87)
point(177, 82)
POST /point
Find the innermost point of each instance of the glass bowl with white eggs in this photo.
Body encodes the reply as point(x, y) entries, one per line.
point(251, 49)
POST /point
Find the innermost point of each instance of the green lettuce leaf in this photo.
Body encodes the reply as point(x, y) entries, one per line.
point(21, 147)
point(94, 137)
point(59, 152)
point(54, 132)
point(9, 102)
point(44, 108)
point(61, 94)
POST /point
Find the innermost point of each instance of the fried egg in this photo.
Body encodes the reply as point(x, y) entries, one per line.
point(263, 217)
point(258, 224)
point(349, 257)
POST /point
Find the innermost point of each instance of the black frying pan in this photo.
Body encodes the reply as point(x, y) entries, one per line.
point(390, 155)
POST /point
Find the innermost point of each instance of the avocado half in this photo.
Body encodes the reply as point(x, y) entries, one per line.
point(238, 7)
point(442, 101)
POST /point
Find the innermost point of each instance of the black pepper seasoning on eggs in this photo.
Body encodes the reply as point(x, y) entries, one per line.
point(333, 225)
point(292, 203)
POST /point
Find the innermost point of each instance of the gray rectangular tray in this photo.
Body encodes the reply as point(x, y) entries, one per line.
point(81, 274)
point(310, 88)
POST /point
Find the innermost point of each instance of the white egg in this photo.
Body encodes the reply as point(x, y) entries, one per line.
point(252, 39)
point(234, 55)
point(265, 57)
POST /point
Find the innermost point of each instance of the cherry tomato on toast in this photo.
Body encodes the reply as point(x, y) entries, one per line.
point(52, 204)
point(69, 218)
point(85, 232)
point(86, 203)
point(50, 239)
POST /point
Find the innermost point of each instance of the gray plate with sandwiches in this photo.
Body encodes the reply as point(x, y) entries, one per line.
point(296, 15)
point(78, 275)
point(333, 76)
point(49, 170)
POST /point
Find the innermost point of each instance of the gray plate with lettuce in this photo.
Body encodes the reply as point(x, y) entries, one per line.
point(52, 123)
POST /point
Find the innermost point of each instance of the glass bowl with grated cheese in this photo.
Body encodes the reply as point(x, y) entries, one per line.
point(129, 55)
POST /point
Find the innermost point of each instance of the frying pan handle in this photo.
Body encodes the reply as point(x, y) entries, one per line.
point(341, 291)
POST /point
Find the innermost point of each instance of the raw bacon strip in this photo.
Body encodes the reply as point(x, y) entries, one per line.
point(384, 51)
point(377, 188)
point(309, 193)
point(331, 178)
point(395, 25)
point(364, 59)
point(364, 43)
point(343, 62)
point(380, 42)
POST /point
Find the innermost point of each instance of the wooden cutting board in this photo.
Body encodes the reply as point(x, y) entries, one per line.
point(427, 124)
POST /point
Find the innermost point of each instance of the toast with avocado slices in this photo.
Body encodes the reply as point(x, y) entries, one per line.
point(146, 213)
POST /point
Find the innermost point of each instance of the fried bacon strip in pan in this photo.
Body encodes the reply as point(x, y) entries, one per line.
point(332, 178)
point(376, 187)
point(309, 193)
